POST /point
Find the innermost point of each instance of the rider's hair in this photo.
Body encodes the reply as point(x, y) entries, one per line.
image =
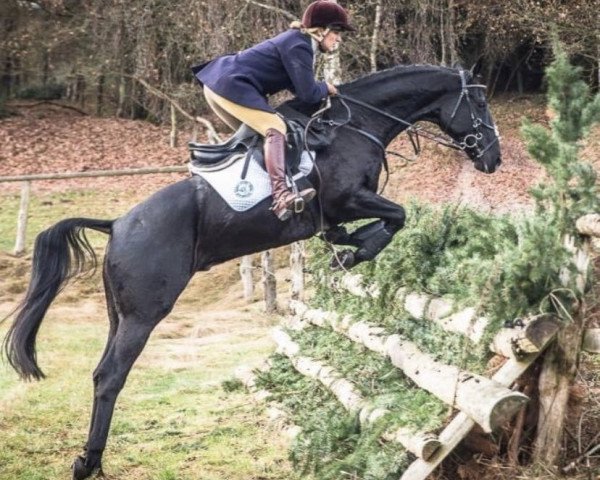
point(318, 33)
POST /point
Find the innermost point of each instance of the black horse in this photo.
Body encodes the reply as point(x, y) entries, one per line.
point(155, 249)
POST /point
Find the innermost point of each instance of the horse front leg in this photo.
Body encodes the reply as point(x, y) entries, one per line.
point(370, 239)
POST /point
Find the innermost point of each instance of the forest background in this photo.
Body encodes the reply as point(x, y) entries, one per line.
point(117, 57)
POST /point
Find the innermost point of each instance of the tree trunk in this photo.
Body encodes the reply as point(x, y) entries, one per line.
point(100, 94)
point(451, 35)
point(375, 36)
point(443, 27)
point(122, 92)
point(173, 134)
point(45, 66)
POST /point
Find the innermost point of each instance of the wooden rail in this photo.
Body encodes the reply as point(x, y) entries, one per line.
point(26, 189)
point(94, 173)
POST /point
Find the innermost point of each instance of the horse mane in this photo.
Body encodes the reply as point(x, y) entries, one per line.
point(398, 71)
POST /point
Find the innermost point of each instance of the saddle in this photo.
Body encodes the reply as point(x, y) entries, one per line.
point(247, 141)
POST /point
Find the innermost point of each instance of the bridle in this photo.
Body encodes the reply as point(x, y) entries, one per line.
point(470, 141)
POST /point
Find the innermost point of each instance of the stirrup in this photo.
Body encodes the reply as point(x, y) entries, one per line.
point(299, 205)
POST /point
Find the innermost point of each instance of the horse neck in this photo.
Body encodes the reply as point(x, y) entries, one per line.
point(409, 93)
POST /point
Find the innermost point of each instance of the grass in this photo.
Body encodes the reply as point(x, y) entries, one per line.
point(173, 421)
point(169, 423)
point(47, 208)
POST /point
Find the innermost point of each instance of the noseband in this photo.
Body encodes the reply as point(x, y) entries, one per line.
point(470, 141)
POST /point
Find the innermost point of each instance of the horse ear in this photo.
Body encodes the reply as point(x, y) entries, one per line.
point(476, 68)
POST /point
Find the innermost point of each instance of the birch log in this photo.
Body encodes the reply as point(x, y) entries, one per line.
point(526, 336)
point(589, 225)
point(509, 341)
point(421, 306)
point(487, 402)
point(421, 444)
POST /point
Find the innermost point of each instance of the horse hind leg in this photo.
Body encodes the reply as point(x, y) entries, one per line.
point(109, 378)
point(113, 317)
point(128, 335)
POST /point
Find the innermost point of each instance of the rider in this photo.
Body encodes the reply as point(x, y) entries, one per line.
point(236, 86)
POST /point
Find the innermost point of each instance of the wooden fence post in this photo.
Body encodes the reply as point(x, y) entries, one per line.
point(560, 362)
point(246, 275)
point(269, 281)
point(22, 218)
point(297, 269)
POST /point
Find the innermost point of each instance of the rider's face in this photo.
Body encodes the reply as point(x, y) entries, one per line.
point(331, 41)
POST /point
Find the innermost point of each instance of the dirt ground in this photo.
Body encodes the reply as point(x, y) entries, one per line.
point(47, 138)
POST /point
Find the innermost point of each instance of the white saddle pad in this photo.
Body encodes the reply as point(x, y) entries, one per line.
point(242, 194)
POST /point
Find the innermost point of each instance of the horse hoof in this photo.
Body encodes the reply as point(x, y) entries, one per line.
point(80, 470)
point(343, 260)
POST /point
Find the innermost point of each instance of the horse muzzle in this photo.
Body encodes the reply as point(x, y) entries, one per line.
point(488, 165)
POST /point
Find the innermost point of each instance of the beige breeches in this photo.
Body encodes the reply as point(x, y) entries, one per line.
point(234, 115)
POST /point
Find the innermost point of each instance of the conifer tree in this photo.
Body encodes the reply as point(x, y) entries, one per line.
point(572, 190)
point(570, 193)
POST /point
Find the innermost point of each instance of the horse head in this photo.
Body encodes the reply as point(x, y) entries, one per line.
point(467, 119)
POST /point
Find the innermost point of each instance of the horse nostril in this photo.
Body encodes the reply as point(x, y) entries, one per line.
point(498, 162)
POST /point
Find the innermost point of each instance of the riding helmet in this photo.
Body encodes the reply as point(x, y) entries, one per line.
point(326, 14)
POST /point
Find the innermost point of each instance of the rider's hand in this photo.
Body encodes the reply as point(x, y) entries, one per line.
point(331, 89)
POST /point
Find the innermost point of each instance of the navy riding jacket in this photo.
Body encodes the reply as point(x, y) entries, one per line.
point(280, 63)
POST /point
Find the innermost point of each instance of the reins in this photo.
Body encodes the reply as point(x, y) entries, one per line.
point(470, 141)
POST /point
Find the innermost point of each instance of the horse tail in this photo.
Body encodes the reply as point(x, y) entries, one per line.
point(59, 255)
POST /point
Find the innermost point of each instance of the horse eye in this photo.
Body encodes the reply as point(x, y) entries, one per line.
point(481, 104)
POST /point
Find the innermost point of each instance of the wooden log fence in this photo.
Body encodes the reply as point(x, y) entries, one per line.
point(490, 402)
point(487, 402)
point(421, 444)
point(444, 313)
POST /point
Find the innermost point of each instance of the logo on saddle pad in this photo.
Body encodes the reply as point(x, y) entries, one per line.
point(239, 193)
point(243, 189)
